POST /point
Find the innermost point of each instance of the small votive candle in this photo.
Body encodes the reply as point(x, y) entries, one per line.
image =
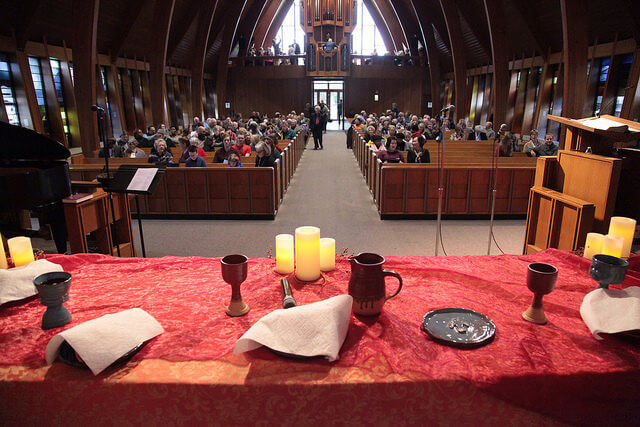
point(3, 256)
point(625, 228)
point(20, 250)
point(284, 253)
point(593, 245)
point(327, 254)
point(307, 253)
point(612, 245)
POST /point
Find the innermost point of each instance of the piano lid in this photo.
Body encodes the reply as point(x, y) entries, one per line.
point(18, 143)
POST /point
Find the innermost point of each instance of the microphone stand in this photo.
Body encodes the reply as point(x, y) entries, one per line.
point(107, 178)
point(440, 182)
point(494, 171)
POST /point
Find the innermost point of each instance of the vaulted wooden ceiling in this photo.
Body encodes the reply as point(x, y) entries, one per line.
point(126, 28)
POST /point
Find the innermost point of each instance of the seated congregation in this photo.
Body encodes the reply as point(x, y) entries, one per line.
point(231, 141)
point(408, 133)
point(400, 154)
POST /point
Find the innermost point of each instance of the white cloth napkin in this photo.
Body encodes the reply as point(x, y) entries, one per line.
point(610, 311)
point(102, 341)
point(317, 329)
point(17, 283)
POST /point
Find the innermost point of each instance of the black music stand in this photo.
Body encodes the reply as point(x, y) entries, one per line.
point(121, 183)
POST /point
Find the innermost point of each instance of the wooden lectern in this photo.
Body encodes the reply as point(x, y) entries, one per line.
point(575, 192)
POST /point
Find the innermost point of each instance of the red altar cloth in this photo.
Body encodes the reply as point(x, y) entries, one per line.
point(387, 369)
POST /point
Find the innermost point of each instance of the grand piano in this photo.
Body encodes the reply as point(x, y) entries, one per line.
point(34, 175)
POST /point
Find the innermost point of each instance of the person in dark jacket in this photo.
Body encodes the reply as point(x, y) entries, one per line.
point(263, 155)
point(317, 124)
point(418, 154)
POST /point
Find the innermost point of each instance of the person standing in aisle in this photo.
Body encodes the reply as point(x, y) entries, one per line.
point(340, 110)
point(317, 124)
point(325, 114)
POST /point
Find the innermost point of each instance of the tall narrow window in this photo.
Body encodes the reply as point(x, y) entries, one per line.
point(290, 32)
point(367, 39)
point(38, 85)
point(57, 81)
point(103, 79)
point(8, 94)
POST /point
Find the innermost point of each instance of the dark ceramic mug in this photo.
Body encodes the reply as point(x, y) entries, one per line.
point(608, 270)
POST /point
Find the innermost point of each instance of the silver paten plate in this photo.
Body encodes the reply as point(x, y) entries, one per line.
point(458, 327)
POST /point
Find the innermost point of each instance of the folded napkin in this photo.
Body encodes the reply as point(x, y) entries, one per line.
point(17, 283)
point(102, 341)
point(610, 311)
point(317, 329)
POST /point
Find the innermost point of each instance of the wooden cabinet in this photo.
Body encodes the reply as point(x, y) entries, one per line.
point(88, 225)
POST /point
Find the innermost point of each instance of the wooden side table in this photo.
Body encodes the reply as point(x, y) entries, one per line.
point(93, 216)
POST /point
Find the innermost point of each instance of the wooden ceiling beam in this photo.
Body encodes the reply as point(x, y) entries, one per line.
point(476, 25)
point(633, 12)
point(529, 16)
point(203, 31)
point(277, 21)
point(437, 20)
point(264, 21)
point(133, 13)
point(390, 15)
point(162, 16)
point(575, 36)
point(409, 21)
point(452, 19)
point(250, 19)
point(433, 57)
point(233, 14)
point(381, 24)
point(494, 10)
point(29, 10)
point(85, 35)
point(180, 29)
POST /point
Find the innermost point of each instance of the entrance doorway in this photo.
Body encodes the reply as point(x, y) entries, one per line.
point(329, 91)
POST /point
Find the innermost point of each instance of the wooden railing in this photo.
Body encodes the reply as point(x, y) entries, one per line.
point(411, 190)
point(216, 190)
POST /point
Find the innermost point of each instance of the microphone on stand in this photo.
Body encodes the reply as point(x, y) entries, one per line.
point(449, 108)
point(96, 108)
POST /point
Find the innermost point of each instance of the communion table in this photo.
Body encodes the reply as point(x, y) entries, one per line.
point(389, 371)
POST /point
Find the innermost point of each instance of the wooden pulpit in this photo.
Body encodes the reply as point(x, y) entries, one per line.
point(577, 192)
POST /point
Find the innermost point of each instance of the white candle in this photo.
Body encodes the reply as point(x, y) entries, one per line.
point(307, 253)
point(3, 256)
point(327, 254)
point(20, 250)
point(284, 253)
point(625, 228)
point(593, 245)
point(612, 245)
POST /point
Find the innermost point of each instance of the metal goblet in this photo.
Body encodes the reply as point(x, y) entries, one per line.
point(541, 279)
point(54, 290)
point(608, 270)
point(234, 272)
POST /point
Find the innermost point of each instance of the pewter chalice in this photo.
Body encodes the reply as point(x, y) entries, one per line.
point(54, 290)
point(541, 279)
point(234, 272)
point(608, 270)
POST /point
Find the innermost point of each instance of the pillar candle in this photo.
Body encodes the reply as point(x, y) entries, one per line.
point(284, 253)
point(3, 256)
point(593, 245)
point(327, 254)
point(625, 228)
point(307, 253)
point(612, 245)
point(20, 250)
